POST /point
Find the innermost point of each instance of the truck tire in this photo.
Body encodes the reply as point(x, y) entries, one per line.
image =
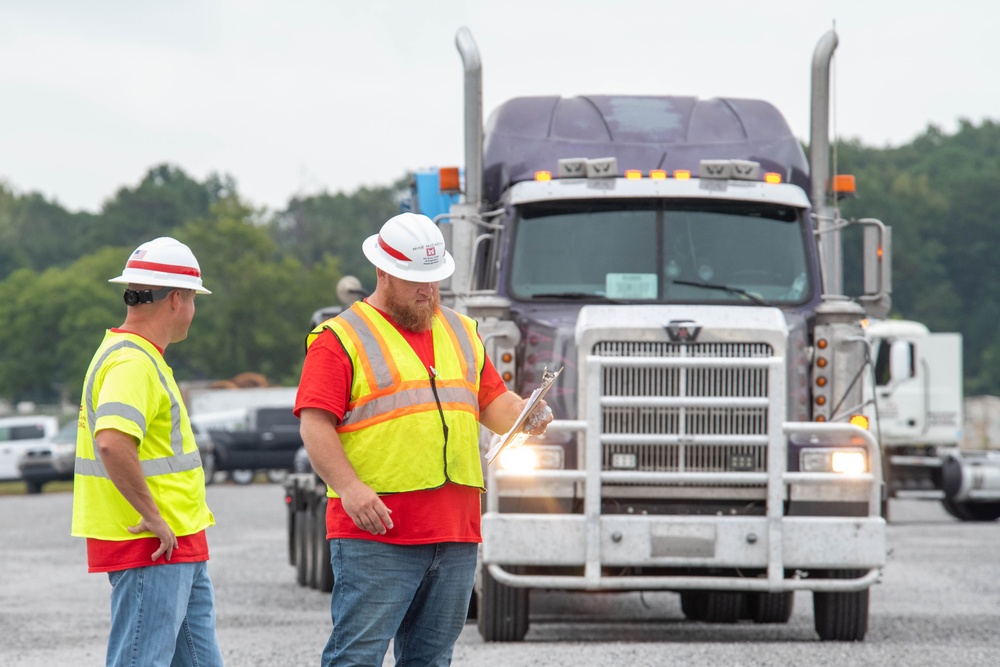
point(769, 607)
point(301, 547)
point(972, 511)
point(290, 504)
point(502, 613)
point(693, 605)
point(312, 547)
point(723, 606)
point(208, 465)
point(276, 475)
point(324, 571)
point(33, 486)
point(242, 476)
point(841, 617)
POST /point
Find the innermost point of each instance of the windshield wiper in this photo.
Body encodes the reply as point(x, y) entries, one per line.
point(724, 288)
point(574, 296)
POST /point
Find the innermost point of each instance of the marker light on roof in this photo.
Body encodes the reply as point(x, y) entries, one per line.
point(657, 174)
point(543, 175)
point(633, 174)
point(682, 174)
point(772, 177)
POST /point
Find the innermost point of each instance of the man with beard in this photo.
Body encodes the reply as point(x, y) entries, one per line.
point(392, 394)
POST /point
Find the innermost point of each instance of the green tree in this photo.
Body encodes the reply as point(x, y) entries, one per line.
point(164, 200)
point(315, 228)
point(258, 313)
point(36, 233)
point(53, 322)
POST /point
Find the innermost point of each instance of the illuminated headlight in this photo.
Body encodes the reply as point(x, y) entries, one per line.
point(846, 461)
point(532, 457)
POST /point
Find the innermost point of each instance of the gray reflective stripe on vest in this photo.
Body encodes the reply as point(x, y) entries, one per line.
point(408, 398)
point(463, 342)
point(178, 462)
point(376, 359)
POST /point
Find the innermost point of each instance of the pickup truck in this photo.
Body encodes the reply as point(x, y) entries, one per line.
point(267, 444)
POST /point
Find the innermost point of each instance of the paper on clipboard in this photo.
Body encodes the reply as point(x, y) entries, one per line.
point(516, 435)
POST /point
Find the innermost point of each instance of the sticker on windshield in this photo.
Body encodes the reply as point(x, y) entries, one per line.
point(630, 286)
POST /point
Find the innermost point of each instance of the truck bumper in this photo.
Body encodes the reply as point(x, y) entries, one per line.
point(750, 543)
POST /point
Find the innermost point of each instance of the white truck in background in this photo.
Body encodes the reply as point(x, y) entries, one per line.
point(916, 402)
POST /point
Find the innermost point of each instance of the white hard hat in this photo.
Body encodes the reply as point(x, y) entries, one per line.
point(410, 246)
point(163, 262)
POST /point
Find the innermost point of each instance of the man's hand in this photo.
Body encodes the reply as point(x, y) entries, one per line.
point(538, 420)
point(366, 509)
point(160, 528)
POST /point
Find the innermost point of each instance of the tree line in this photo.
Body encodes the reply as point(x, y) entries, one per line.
point(270, 270)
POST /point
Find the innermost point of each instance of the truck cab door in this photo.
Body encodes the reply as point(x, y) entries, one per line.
point(900, 391)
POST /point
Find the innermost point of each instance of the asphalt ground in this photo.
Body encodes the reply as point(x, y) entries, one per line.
point(938, 603)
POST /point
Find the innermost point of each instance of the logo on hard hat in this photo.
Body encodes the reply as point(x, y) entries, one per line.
point(432, 251)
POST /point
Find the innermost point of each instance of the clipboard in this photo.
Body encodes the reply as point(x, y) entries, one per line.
point(516, 435)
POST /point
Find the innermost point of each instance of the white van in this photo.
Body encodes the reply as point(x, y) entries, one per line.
point(17, 435)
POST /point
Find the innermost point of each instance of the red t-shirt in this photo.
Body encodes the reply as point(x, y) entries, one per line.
point(111, 555)
point(450, 513)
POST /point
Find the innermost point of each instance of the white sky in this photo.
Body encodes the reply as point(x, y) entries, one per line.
point(294, 97)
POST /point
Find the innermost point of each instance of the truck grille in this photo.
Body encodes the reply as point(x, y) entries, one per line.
point(688, 438)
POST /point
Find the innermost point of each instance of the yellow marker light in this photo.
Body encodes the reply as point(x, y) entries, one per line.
point(848, 463)
point(543, 175)
point(633, 174)
point(657, 174)
point(682, 174)
point(772, 177)
point(519, 458)
point(860, 420)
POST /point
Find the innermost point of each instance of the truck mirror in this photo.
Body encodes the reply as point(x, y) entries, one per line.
point(877, 268)
point(901, 361)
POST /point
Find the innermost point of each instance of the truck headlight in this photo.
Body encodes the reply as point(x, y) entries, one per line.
point(532, 457)
point(846, 461)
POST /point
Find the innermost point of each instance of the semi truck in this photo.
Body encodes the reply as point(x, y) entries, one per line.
point(680, 259)
point(915, 401)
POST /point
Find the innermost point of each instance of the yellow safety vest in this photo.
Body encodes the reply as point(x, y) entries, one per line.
point(404, 429)
point(142, 400)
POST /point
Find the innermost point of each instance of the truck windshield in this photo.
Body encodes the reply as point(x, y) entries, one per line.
point(638, 250)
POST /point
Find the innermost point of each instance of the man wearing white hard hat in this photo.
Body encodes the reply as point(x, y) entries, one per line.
point(392, 394)
point(139, 488)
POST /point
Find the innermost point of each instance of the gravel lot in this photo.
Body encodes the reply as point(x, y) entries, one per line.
point(939, 603)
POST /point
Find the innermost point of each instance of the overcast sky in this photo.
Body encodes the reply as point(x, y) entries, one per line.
point(294, 97)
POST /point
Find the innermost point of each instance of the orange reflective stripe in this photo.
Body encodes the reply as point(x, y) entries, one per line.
point(413, 396)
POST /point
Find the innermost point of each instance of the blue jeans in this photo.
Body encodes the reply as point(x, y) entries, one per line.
point(417, 595)
point(163, 615)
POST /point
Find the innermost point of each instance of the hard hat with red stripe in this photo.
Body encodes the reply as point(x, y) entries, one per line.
point(163, 262)
point(410, 246)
